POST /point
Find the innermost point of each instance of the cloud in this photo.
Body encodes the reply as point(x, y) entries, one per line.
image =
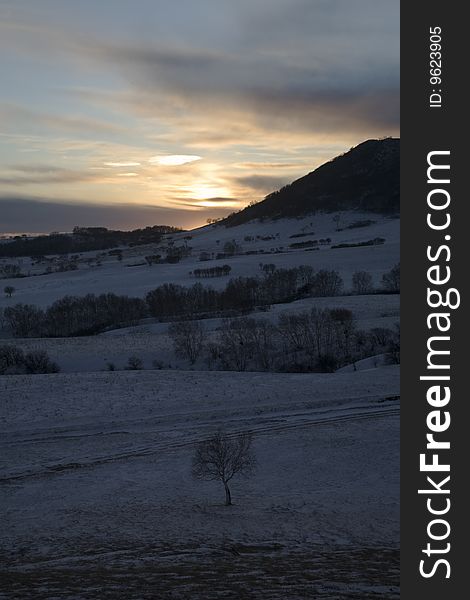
point(265, 91)
point(262, 183)
point(122, 164)
point(47, 175)
point(256, 166)
point(217, 203)
point(29, 119)
point(325, 67)
point(38, 169)
point(257, 101)
point(173, 160)
point(40, 215)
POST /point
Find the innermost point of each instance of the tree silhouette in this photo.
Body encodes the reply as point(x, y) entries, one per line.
point(220, 458)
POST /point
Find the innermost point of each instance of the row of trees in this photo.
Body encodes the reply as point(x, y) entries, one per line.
point(10, 270)
point(243, 294)
point(74, 315)
point(221, 271)
point(318, 340)
point(91, 314)
point(83, 239)
point(362, 282)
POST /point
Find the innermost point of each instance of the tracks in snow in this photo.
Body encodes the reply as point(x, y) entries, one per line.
point(267, 425)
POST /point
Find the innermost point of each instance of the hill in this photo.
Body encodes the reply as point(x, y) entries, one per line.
point(367, 178)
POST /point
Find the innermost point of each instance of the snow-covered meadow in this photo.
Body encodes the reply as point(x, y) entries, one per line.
point(95, 480)
point(133, 277)
point(96, 475)
point(151, 343)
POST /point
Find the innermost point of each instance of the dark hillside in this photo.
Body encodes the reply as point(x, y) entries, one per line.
point(366, 178)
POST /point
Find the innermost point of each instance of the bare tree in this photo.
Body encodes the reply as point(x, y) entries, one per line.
point(263, 341)
point(9, 290)
point(135, 363)
point(231, 248)
point(327, 283)
point(188, 339)
point(391, 279)
point(293, 328)
point(236, 348)
point(336, 220)
point(393, 349)
point(220, 458)
point(362, 282)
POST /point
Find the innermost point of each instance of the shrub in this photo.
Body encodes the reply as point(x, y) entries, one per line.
point(38, 361)
point(382, 336)
point(307, 244)
point(134, 363)
point(11, 360)
point(10, 270)
point(231, 248)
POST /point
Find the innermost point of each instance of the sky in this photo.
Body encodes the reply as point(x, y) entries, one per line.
point(128, 113)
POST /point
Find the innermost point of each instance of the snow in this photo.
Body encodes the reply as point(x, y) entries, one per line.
point(101, 471)
point(96, 494)
point(121, 278)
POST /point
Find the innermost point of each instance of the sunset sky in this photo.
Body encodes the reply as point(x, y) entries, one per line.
point(127, 113)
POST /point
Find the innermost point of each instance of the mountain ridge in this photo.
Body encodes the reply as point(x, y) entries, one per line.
point(366, 178)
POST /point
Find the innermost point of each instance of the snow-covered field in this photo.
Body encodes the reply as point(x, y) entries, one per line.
point(123, 278)
point(96, 486)
point(97, 499)
point(150, 342)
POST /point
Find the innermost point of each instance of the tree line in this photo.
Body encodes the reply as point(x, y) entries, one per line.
point(74, 315)
point(83, 239)
point(92, 314)
point(219, 271)
point(321, 340)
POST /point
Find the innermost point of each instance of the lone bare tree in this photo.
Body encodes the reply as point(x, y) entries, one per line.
point(9, 290)
point(220, 458)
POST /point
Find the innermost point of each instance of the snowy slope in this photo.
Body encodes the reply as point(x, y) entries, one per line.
point(95, 488)
point(98, 477)
point(124, 278)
